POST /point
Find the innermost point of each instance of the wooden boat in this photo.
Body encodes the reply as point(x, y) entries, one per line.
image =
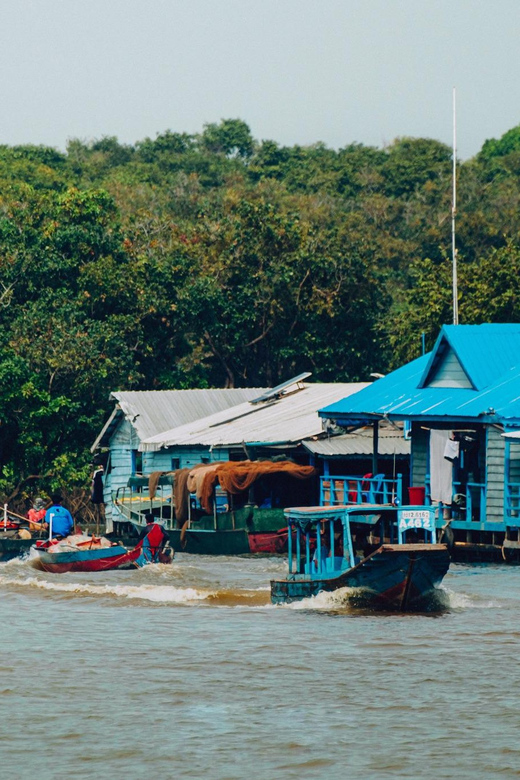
point(90, 555)
point(399, 568)
point(272, 542)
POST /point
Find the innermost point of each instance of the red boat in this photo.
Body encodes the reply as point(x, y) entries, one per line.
point(270, 542)
point(62, 556)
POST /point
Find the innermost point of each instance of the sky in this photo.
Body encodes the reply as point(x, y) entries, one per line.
point(297, 71)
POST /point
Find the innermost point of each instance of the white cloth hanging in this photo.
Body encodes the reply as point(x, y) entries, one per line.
point(441, 470)
point(451, 450)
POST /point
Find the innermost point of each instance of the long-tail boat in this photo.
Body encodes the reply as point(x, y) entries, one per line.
point(93, 554)
point(385, 556)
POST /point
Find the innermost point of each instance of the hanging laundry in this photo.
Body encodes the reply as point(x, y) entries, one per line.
point(451, 450)
point(441, 470)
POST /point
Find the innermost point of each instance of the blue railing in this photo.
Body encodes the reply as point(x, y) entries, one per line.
point(474, 506)
point(512, 503)
point(335, 491)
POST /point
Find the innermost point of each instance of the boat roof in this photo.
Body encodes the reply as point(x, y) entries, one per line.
point(319, 512)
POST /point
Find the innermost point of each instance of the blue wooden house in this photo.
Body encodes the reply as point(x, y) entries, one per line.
point(280, 423)
point(461, 404)
point(140, 414)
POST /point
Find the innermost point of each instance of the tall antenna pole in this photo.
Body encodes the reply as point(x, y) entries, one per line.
point(453, 215)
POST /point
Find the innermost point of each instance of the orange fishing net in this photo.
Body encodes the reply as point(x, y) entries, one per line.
point(236, 476)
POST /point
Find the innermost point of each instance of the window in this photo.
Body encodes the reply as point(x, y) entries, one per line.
point(176, 464)
point(137, 462)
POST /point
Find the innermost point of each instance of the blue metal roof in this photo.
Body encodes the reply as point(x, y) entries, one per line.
point(489, 353)
point(502, 398)
point(484, 351)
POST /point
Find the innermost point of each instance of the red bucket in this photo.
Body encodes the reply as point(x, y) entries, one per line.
point(416, 496)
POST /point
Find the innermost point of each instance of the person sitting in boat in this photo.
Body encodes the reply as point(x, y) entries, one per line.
point(36, 514)
point(58, 519)
point(152, 522)
point(319, 561)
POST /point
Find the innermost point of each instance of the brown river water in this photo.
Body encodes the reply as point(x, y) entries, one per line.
point(188, 671)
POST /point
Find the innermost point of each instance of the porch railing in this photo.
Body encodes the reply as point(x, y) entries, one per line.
point(512, 503)
point(472, 508)
point(131, 505)
point(335, 491)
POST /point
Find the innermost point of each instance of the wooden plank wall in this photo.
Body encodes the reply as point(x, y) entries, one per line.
point(514, 463)
point(187, 457)
point(122, 442)
point(450, 373)
point(125, 440)
point(495, 447)
point(420, 444)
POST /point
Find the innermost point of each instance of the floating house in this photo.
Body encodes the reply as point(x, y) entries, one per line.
point(278, 423)
point(275, 426)
point(461, 403)
point(386, 476)
point(138, 415)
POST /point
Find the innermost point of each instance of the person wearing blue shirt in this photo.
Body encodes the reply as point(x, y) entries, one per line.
point(58, 519)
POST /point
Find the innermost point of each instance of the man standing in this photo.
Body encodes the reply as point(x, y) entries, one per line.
point(58, 519)
point(97, 496)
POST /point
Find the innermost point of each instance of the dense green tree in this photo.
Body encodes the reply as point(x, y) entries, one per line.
point(210, 259)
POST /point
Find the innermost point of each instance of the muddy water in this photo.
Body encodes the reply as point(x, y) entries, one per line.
point(188, 672)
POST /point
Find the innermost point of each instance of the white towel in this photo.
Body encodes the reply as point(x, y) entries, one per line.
point(451, 450)
point(441, 470)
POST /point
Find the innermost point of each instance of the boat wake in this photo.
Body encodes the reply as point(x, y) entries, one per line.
point(356, 601)
point(224, 586)
point(14, 576)
point(458, 601)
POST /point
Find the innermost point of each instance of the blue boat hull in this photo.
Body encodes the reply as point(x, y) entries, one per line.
point(402, 577)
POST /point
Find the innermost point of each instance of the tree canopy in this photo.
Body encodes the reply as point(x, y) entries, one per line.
point(215, 259)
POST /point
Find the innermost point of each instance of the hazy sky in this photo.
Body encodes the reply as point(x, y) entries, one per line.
point(297, 71)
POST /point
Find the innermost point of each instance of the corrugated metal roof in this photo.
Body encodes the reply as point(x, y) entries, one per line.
point(502, 397)
point(289, 419)
point(399, 396)
point(390, 442)
point(154, 411)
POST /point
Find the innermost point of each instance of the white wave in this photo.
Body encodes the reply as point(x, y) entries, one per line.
point(157, 593)
point(459, 600)
point(323, 600)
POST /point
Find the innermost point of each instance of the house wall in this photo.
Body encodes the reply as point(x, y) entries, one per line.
point(450, 373)
point(125, 441)
point(495, 449)
point(419, 455)
point(122, 443)
point(187, 457)
point(514, 462)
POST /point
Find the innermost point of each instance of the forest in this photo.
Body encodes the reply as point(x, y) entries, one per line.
point(217, 260)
